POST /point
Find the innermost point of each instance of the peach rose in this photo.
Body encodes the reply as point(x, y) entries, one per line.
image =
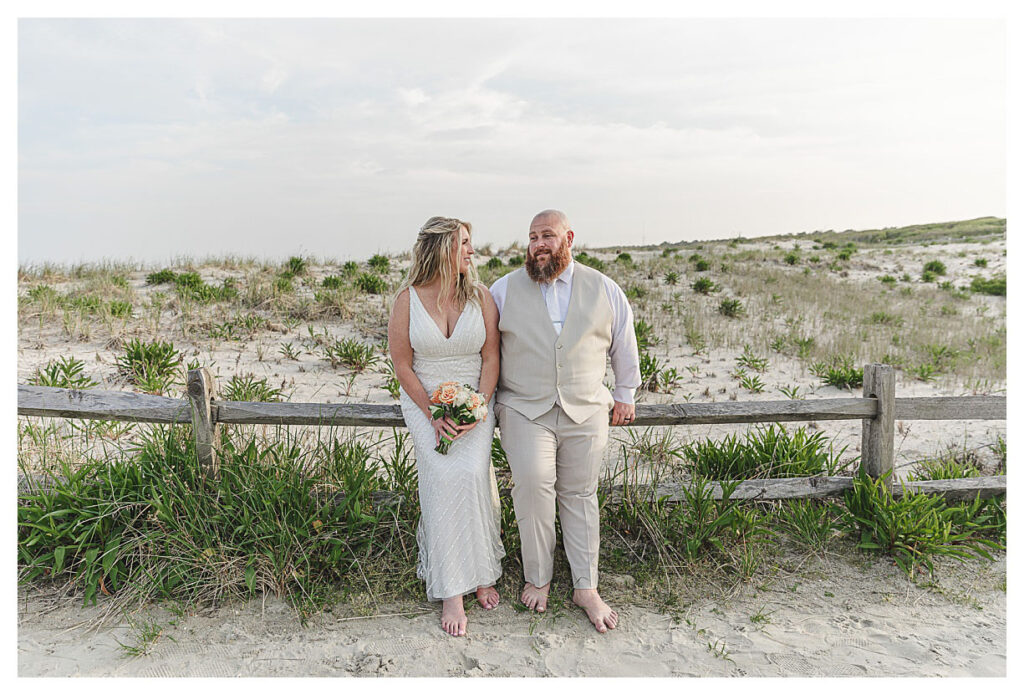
point(446, 392)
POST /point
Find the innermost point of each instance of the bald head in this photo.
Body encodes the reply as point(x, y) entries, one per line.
point(552, 217)
point(550, 240)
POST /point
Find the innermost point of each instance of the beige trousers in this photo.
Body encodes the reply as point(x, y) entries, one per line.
point(553, 458)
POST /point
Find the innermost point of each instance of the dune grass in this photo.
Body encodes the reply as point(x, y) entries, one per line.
point(336, 519)
point(820, 317)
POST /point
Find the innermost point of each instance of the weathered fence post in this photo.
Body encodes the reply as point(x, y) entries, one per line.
point(202, 388)
point(878, 434)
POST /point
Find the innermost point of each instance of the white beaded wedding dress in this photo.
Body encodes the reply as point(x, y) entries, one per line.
point(460, 547)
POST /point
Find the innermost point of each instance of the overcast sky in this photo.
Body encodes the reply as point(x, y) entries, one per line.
point(152, 139)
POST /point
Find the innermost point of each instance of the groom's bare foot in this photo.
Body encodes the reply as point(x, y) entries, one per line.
point(487, 596)
point(453, 616)
point(535, 597)
point(599, 612)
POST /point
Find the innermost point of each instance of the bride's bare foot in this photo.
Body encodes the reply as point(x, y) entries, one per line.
point(535, 597)
point(599, 612)
point(453, 616)
point(487, 596)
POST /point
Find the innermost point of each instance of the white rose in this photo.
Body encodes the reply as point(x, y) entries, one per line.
point(462, 396)
point(480, 412)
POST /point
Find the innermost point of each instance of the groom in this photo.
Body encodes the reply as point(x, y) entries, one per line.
point(560, 321)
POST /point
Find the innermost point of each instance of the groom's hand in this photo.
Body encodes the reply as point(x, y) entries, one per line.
point(623, 414)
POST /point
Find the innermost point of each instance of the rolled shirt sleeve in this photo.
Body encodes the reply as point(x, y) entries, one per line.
point(624, 355)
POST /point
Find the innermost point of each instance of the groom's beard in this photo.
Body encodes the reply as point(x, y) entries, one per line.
point(551, 268)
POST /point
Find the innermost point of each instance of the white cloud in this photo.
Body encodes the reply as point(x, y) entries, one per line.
point(153, 137)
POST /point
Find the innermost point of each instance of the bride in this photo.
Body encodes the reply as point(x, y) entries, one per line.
point(444, 327)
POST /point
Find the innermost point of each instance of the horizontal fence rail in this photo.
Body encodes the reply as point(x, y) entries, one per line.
point(878, 409)
point(820, 487)
point(46, 401)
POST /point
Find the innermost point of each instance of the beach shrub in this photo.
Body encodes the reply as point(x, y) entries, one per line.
point(650, 370)
point(752, 383)
point(887, 280)
point(914, 528)
point(937, 267)
point(668, 379)
point(588, 260)
point(85, 303)
point(43, 294)
point(371, 284)
point(189, 280)
point(247, 387)
point(645, 337)
point(332, 282)
point(704, 285)
point(191, 286)
point(733, 308)
point(994, 286)
point(152, 366)
point(768, 451)
point(65, 372)
point(353, 354)
point(749, 360)
point(811, 523)
point(518, 260)
point(950, 465)
point(283, 285)
point(981, 262)
point(694, 337)
point(494, 262)
point(791, 258)
point(839, 371)
point(634, 292)
point(671, 278)
point(701, 265)
point(296, 265)
point(928, 276)
point(624, 259)
point(391, 383)
point(379, 263)
point(119, 309)
point(160, 277)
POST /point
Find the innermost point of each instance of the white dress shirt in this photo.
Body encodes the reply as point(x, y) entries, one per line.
point(623, 351)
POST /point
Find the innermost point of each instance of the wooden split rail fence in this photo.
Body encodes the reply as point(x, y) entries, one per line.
point(878, 408)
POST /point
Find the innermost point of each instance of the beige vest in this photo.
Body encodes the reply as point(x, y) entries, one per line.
point(537, 363)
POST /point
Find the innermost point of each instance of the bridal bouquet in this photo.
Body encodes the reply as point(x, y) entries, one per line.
point(459, 402)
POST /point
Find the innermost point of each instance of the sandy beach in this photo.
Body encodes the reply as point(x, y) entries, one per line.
point(832, 617)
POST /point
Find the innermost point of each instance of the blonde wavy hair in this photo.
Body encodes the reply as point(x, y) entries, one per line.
point(436, 243)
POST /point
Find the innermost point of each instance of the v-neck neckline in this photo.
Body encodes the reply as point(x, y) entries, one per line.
point(440, 332)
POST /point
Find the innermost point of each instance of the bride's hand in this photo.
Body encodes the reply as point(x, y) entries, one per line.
point(463, 429)
point(446, 426)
